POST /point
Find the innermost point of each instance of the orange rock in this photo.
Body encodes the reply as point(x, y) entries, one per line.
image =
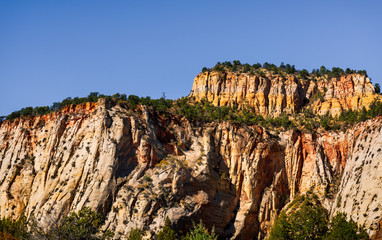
point(272, 95)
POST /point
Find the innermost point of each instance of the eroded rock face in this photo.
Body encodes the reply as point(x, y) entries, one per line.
point(273, 94)
point(360, 192)
point(139, 167)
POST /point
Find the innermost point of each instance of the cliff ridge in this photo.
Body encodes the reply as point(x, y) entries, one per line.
point(272, 94)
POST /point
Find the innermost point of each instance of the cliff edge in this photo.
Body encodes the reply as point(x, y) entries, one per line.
point(272, 94)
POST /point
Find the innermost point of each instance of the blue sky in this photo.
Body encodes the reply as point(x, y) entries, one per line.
point(50, 50)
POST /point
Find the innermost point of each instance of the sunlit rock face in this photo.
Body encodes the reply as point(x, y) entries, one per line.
point(360, 192)
point(139, 167)
point(273, 94)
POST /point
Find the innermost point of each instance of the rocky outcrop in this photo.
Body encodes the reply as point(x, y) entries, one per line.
point(274, 94)
point(138, 167)
point(359, 192)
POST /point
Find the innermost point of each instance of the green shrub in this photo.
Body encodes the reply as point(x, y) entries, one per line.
point(309, 222)
point(136, 234)
point(200, 232)
point(340, 228)
point(132, 101)
point(167, 233)
point(304, 73)
point(84, 225)
point(14, 229)
point(307, 219)
point(7, 236)
point(377, 88)
point(281, 229)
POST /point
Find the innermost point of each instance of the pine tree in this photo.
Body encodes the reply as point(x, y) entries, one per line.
point(167, 232)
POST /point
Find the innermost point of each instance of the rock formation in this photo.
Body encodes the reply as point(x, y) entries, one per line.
point(138, 167)
point(359, 192)
point(275, 94)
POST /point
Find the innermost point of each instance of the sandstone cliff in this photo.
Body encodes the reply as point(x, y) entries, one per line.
point(137, 167)
point(274, 94)
point(360, 189)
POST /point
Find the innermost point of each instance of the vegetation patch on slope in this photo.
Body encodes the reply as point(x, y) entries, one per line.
point(306, 218)
point(204, 111)
point(281, 70)
point(86, 225)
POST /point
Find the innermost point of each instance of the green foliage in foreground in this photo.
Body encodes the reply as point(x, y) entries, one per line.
point(14, 229)
point(340, 228)
point(136, 234)
point(200, 232)
point(167, 233)
point(84, 225)
point(307, 219)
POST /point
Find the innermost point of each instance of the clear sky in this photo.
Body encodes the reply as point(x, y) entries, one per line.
point(50, 50)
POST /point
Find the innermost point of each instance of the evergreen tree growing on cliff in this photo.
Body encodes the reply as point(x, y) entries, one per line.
point(136, 234)
point(377, 88)
point(167, 233)
point(200, 232)
point(340, 228)
point(82, 225)
point(304, 73)
point(281, 229)
point(10, 229)
point(305, 218)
